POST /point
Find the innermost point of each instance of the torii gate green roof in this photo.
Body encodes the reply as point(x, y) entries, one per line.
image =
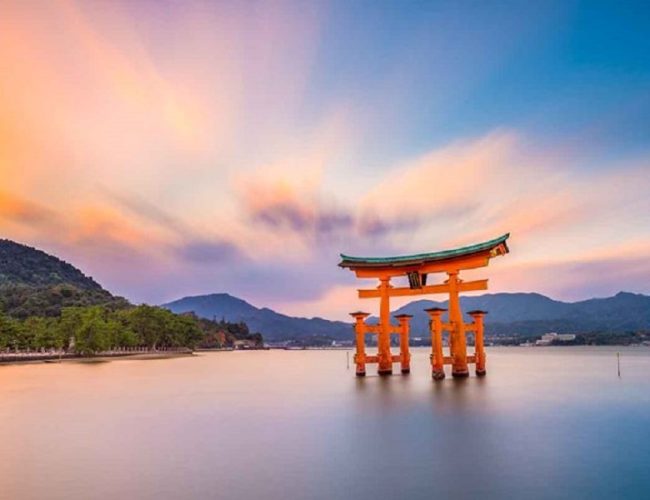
point(421, 258)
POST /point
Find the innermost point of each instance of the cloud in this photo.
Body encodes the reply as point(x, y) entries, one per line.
point(371, 224)
point(622, 267)
point(147, 211)
point(208, 252)
point(445, 181)
point(299, 216)
point(22, 211)
point(285, 200)
point(501, 182)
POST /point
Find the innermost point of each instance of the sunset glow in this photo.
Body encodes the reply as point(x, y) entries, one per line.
point(182, 148)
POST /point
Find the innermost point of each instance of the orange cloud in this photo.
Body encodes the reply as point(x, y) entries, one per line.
point(472, 190)
point(443, 178)
point(19, 210)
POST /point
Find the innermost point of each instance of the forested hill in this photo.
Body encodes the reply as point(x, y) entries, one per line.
point(24, 265)
point(34, 283)
point(46, 303)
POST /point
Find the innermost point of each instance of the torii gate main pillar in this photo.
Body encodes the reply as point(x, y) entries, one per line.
point(383, 335)
point(457, 340)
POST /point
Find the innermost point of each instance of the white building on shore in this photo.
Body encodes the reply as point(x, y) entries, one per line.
point(553, 337)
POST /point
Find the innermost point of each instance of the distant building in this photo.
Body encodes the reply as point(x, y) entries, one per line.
point(552, 337)
point(547, 339)
point(244, 344)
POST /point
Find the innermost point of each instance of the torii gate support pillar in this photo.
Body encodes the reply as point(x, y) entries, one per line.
point(437, 356)
point(360, 329)
point(479, 349)
point(404, 353)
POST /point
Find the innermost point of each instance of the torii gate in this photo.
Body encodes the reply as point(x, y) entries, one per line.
point(417, 268)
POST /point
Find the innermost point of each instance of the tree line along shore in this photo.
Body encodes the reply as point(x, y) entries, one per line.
point(89, 330)
point(48, 305)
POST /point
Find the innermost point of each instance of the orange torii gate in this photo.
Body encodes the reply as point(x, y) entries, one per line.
point(417, 268)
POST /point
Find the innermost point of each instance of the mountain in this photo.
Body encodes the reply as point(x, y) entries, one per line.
point(532, 313)
point(274, 326)
point(33, 282)
point(24, 265)
point(508, 313)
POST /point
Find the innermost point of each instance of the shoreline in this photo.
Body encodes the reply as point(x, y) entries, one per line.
point(36, 358)
point(100, 358)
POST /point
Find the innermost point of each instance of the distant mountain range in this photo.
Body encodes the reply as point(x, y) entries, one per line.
point(33, 282)
point(274, 326)
point(508, 313)
point(533, 313)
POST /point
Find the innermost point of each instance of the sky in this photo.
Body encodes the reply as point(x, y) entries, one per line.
point(174, 148)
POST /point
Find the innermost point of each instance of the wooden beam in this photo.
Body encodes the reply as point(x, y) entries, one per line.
point(466, 286)
point(457, 264)
point(449, 360)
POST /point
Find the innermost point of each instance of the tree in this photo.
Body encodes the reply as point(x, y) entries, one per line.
point(93, 333)
point(145, 323)
point(92, 329)
point(37, 330)
point(189, 332)
point(120, 332)
point(68, 324)
point(6, 332)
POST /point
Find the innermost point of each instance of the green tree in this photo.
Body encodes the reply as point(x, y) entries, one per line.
point(189, 333)
point(93, 333)
point(120, 332)
point(68, 324)
point(91, 329)
point(12, 334)
point(145, 323)
point(36, 329)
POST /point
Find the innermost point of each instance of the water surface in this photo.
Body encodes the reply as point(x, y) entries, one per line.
point(544, 423)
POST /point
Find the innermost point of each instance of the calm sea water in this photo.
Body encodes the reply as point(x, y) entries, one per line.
point(545, 423)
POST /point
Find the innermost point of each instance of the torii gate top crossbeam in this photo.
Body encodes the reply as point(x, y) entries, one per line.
point(493, 247)
point(418, 266)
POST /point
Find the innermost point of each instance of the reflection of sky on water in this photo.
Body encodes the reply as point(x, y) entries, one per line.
point(544, 423)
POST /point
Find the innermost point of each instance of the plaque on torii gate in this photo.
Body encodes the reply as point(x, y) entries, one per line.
point(417, 268)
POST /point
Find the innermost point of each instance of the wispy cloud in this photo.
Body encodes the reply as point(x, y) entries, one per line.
point(208, 252)
point(22, 211)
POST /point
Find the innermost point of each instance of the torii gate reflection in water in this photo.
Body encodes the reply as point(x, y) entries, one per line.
point(417, 268)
